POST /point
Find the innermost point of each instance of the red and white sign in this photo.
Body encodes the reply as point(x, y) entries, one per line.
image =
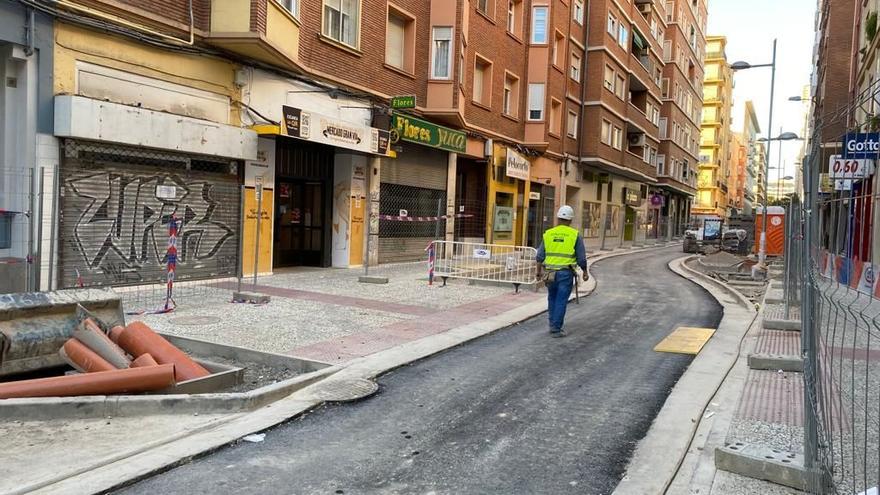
point(850, 168)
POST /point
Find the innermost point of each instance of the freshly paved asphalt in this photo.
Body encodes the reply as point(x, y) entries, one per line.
point(515, 412)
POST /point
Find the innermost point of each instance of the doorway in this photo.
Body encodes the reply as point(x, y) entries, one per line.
point(629, 224)
point(299, 223)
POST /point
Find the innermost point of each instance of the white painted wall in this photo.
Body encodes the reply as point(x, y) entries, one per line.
point(267, 93)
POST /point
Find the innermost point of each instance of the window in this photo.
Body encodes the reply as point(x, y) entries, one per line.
point(623, 37)
point(461, 72)
point(555, 116)
point(571, 125)
point(292, 6)
point(539, 25)
point(575, 69)
point(661, 164)
point(617, 138)
point(606, 132)
point(664, 88)
point(536, 101)
point(578, 12)
point(655, 115)
point(609, 78)
point(511, 16)
point(341, 21)
point(612, 25)
point(667, 51)
point(511, 95)
point(483, 6)
point(483, 81)
point(441, 65)
point(558, 49)
point(669, 11)
point(620, 89)
point(5, 231)
point(663, 126)
point(400, 41)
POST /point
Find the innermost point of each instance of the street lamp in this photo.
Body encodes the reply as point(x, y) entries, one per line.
point(762, 250)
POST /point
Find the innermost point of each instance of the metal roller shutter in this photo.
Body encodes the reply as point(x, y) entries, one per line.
point(116, 203)
point(414, 183)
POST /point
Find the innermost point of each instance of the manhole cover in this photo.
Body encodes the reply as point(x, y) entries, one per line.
point(344, 390)
point(195, 320)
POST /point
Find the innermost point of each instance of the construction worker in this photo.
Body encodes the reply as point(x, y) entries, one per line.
point(561, 250)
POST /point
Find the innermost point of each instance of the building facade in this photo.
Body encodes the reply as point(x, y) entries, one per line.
point(754, 165)
point(281, 133)
point(715, 135)
point(684, 51)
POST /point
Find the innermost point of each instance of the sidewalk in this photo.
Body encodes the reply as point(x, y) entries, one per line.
point(317, 314)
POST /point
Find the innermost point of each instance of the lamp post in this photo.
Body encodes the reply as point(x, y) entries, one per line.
point(737, 66)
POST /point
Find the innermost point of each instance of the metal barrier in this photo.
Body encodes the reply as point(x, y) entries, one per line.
point(515, 265)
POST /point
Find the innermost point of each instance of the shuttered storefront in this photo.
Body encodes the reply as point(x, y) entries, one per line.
point(413, 184)
point(116, 205)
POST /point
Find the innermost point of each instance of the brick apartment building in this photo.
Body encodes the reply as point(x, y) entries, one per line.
point(684, 50)
point(339, 125)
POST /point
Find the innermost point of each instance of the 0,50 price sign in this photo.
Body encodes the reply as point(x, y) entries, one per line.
point(850, 168)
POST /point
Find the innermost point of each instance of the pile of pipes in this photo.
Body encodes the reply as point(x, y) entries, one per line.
point(131, 359)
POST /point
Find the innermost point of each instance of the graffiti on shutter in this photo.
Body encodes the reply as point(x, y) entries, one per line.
point(115, 223)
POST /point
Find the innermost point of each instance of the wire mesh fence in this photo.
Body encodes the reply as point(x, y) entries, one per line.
point(19, 211)
point(831, 276)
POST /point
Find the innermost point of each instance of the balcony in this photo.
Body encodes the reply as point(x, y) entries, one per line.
point(277, 43)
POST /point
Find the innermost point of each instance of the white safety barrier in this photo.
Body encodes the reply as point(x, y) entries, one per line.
point(485, 262)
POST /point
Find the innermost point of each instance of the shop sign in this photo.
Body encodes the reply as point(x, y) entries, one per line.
point(842, 185)
point(263, 166)
point(657, 201)
point(861, 145)
point(425, 133)
point(850, 168)
point(536, 196)
point(406, 101)
point(312, 126)
point(517, 166)
point(631, 197)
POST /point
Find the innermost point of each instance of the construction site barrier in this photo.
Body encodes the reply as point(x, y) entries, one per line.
point(515, 265)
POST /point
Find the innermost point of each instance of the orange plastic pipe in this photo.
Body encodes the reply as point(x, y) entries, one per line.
point(83, 358)
point(99, 383)
point(144, 360)
point(138, 338)
point(115, 332)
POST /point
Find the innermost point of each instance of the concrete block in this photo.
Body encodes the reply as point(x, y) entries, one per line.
point(763, 463)
point(774, 297)
point(773, 362)
point(250, 297)
point(371, 279)
point(774, 324)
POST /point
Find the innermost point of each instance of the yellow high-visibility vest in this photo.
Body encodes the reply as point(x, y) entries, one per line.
point(559, 245)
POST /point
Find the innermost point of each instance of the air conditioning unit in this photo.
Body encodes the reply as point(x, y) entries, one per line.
point(645, 8)
point(636, 139)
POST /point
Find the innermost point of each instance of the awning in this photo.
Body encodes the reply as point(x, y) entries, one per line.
point(637, 39)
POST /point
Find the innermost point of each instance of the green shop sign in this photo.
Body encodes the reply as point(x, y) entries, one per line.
point(407, 101)
point(418, 131)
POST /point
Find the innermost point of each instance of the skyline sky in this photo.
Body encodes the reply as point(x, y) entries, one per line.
point(750, 27)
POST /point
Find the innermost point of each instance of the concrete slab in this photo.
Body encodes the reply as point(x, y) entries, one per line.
point(779, 324)
point(364, 279)
point(250, 298)
point(757, 461)
point(776, 362)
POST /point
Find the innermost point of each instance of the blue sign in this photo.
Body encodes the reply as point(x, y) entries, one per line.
point(861, 145)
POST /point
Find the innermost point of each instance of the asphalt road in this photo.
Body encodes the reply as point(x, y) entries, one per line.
point(516, 412)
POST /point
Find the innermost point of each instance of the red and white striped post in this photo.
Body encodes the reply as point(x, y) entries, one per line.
point(431, 256)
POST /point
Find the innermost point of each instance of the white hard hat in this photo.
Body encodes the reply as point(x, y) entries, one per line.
point(565, 212)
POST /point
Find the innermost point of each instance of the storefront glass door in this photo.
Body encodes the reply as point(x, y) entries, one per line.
point(299, 223)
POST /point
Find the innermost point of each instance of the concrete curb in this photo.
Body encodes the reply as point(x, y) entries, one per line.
point(176, 451)
point(660, 455)
point(771, 362)
point(789, 325)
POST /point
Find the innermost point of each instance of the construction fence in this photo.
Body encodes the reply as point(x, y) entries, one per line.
point(831, 267)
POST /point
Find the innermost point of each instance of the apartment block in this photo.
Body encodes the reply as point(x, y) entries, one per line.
point(715, 171)
point(684, 48)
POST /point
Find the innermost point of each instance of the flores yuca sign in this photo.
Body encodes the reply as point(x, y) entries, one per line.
point(418, 131)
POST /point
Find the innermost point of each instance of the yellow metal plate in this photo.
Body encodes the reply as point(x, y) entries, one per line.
point(685, 340)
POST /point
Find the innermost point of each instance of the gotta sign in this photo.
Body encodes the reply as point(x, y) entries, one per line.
point(318, 128)
point(861, 145)
point(850, 168)
point(418, 131)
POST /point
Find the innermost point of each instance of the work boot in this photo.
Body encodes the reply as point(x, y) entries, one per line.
point(558, 334)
